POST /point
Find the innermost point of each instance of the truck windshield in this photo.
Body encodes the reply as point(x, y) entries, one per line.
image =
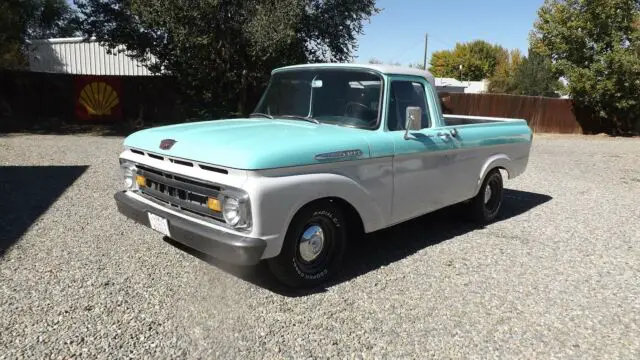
point(340, 97)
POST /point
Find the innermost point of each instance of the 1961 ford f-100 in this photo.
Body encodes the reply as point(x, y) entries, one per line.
point(331, 150)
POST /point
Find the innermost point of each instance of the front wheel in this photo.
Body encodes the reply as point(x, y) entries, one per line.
point(485, 206)
point(313, 247)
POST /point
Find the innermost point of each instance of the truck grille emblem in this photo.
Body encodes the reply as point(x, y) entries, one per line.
point(166, 144)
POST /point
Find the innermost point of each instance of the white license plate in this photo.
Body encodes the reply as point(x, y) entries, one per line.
point(159, 224)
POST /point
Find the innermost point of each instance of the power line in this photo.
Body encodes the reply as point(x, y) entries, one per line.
point(403, 53)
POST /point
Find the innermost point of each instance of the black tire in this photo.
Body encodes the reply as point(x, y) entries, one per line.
point(482, 211)
point(296, 265)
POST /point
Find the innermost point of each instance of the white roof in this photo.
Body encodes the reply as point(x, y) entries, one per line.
point(384, 69)
point(69, 40)
point(450, 82)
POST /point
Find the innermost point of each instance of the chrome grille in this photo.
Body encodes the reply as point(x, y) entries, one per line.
point(180, 161)
point(177, 191)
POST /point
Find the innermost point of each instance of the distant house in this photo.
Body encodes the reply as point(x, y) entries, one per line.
point(80, 56)
point(452, 85)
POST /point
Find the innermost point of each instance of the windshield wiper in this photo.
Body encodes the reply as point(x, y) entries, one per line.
point(299, 117)
point(262, 114)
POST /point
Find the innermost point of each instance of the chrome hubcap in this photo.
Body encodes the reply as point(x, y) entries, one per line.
point(311, 243)
point(487, 194)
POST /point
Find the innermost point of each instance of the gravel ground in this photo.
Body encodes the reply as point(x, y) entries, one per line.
point(556, 277)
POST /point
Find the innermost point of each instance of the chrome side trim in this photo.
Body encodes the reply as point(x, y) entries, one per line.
point(354, 153)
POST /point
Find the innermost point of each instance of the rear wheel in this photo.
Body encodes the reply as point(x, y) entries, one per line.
point(313, 247)
point(485, 206)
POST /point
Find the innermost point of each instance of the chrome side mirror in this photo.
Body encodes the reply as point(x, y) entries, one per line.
point(413, 120)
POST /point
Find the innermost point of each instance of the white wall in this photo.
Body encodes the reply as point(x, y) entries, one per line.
point(474, 87)
point(457, 86)
point(78, 56)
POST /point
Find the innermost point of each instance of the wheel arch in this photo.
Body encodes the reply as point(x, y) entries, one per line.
point(352, 216)
point(498, 161)
point(279, 200)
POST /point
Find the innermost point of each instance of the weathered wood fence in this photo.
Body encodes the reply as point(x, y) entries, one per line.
point(35, 97)
point(542, 114)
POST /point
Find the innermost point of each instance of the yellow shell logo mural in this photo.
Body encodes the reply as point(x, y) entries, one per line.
point(98, 98)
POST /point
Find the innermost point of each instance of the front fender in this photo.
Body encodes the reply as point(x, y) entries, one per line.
point(275, 201)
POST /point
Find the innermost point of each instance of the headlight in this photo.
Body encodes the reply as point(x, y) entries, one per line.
point(236, 210)
point(129, 172)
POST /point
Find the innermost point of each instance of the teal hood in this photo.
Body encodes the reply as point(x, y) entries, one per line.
point(252, 144)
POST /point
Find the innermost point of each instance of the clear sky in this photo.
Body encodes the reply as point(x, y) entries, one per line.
point(397, 33)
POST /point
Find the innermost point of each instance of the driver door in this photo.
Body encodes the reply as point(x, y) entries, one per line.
point(422, 164)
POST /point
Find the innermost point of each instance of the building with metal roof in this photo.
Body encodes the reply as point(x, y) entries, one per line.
point(80, 56)
point(452, 85)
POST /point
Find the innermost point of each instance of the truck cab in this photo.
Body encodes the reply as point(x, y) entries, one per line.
point(331, 151)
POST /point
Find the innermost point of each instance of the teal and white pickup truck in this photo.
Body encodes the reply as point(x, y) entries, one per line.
point(331, 151)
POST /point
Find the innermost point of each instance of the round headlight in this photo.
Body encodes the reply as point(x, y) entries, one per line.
point(231, 211)
point(128, 182)
point(129, 173)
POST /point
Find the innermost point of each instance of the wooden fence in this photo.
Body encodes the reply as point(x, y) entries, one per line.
point(542, 114)
point(31, 97)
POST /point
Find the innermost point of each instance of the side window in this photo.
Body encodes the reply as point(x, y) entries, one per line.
point(403, 95)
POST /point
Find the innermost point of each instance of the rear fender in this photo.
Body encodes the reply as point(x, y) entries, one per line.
point(494, 161)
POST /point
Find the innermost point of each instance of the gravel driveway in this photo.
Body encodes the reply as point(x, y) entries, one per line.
point(557, 276)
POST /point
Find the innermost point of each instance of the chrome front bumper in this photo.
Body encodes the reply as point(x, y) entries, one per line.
point(225, 246)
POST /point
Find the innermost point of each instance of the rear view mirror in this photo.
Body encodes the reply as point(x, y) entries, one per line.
point(413, 121)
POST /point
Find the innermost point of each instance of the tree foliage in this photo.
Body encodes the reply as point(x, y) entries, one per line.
point(222, 51)
point(595, 45)
point(476, 60)
point(502, 80)
point(376, 61)
point(31, 19)
point(534, 76)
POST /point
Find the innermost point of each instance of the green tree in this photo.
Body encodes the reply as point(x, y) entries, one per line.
point(502, 80)
point(377, 61)
point(12, 31)
point(595, 45)
point(51, 19)
point(222, 51)
point(534, 76)
point(31, 19)
point(476, 60)
point(445, 64)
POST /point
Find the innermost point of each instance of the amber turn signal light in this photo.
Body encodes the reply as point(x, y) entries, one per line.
point(141, 181)
point(214, 204)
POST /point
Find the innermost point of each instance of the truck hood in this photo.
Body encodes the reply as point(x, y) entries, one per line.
point(253, 144)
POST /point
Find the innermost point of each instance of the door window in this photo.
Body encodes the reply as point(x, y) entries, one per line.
point(403, 95)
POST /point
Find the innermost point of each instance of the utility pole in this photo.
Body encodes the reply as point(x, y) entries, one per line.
point(426, 42)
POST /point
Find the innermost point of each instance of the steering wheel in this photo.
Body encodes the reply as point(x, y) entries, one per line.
point(350, 107)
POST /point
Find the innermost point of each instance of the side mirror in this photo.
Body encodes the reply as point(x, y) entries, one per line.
point(413, 121)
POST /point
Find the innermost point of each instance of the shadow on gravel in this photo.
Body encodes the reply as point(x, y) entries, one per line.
point(26, 192)
point(385, 246)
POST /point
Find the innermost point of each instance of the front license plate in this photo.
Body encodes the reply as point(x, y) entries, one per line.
point(159, 224)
